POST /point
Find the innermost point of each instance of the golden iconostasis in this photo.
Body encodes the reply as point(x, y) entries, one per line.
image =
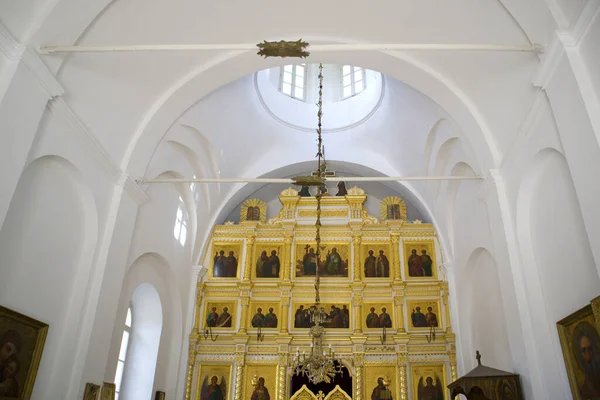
point(381, 286)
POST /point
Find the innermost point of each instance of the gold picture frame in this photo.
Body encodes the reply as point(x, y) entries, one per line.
point(419, 314)
point(368, 320)
point(301, 260)
point(265, 305)
point(376, 267)
point(420, 374)
point(27, 337)
point(220, 265)
point(371, 383)
point(91, 391)
point(253, 372)
point(109, 390)
point(579, 335)
point(341, 320)
point(419, 265)
point(226, 314)
point(259, 267)
point(224, 374)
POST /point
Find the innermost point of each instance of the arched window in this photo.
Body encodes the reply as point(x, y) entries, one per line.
point(292, 81)
point(125, 338)
point(180, 229)
point(353, 80)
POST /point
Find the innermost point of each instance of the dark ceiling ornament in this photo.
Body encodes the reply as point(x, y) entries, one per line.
point(283, 49)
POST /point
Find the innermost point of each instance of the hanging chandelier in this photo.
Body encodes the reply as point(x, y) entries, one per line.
point(321, 364)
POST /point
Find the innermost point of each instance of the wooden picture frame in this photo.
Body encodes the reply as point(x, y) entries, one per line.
point(580, 343)
point(25, 337)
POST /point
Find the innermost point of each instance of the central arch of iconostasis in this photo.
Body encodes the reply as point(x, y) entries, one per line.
point(381, 285)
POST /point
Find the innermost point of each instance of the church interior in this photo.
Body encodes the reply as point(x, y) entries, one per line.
point(307, 201)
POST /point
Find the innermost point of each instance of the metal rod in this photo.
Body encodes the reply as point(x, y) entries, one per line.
point(535, 48)
point(332, 179)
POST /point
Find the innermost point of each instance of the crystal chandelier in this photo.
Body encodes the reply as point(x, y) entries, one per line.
point(321, 364)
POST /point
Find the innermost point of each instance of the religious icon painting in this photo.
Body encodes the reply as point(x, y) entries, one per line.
point(264, 314)
point(380, 382)
point(109, 391)
point(91, 391)
point(338, 315)
point(580, 342)
point(428, 381)
point(22, 342)
point(267, 261)
point(333, 260)
point(260, 382)
point(378, 315)
point(419, 259)
point(213, 382)
point(226, 260)
point(423, 314)
point(220, 314)
point(376, 260)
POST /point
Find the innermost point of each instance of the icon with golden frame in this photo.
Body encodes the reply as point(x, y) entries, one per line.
point(374, 318)
point(428, 381)
point(264, 265)
point(269, 321)
point(376, 264)
point(225, 260)
point(206, 382)
point(374, 388)
point(219, 314)
point(252, 375)
point(338, 314)
point(419, 259)
point(580, 342)
point(91, 391)
point(422, 314)
point(334, 260)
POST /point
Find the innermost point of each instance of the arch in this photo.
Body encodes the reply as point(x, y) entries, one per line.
point(54, 261)
point(460, 168)
point(432, 137)
point(142, 352)
point(197, 166)
point(442, 158)
point(555, 256)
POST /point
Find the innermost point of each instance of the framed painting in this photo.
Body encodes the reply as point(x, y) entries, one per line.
point(264, 314)
point(220, 314)
point(419, 259)
point(226, 260)
point(108, 391)
point(160, 395)
point(91, 391)
point(375, 259)
point(424, 314)
point(428, 381)
point(214, 382)
point(338, 315)
point(333, 260)
point(580, 344)
point(260, 381)
point(22, 342)
point(380, 382)
point(377, 315)
point(267, 261)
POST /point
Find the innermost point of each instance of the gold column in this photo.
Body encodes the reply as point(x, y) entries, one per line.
point(287, 257)
point(356, 239)
point(190, 372)
point(250, 239)
point(285, 309)
point(446, 306)
point(402, 359)
point(357, 302)
point(282, 376)
point(396, 274)
point(244, 316)
point(239, 375)
point(359, 361)
point(398, 303)
point(454, 372)
point(199, 292)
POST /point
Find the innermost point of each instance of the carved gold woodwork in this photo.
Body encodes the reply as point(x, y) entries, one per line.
point(347, 223)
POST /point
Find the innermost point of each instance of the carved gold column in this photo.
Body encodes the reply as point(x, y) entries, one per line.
point(398, 307)
point(239, 375)
point(444, 286)
point(190, 371)
point(357, 302)
point(453, 369)
point(199, 293)
point(282, 376)
point(250, 239)
point(244, 315)
point(285, 309)
point(356, 240)
point(402, 378)
point(396, 275)
point(359, 362)
point(287, 256)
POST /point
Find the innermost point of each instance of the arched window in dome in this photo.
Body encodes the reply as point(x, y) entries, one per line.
point(125, 338)
point(180, 229)
point(353, 81)
point(293, 81)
